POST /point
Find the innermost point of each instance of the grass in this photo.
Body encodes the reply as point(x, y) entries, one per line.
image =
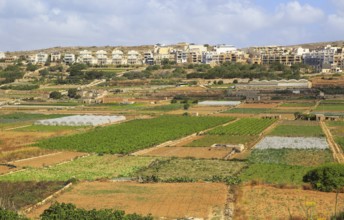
point(17, 195)
point(330, 107)
point(298, 104)
point(340, 141)
point(21, 117)
point(44, 128)
point(165, 108)
point(275, 174)
point(196, 170)
point(335, 123)
point(297, 157)
point(208, 140)
point(88, 168)
point(297, 131)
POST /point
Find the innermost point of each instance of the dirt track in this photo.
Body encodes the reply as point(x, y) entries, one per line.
point(336, 150)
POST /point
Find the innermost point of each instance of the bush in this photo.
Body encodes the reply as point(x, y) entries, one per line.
point(55, 95)
point(70, 212)
point(326, 178)
point(7, 214)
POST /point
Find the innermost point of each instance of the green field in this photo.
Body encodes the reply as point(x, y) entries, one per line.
point(133, 135)
point(297, 131)
point(44, 128)
point(22, 117)
point(88, 168)
point(275, 174)
point(249, 110)
point(192, 169)
point(340, 141)
point(330, 107)
point(298, 157)
point(245, 126)
point(208, 140)
point(298, 104)
point(15, 196)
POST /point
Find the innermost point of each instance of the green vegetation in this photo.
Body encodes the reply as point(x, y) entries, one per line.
point(249, 110)
point(299, 157)
point(20, 87)
point(88, 168)
point(245, 126)
point(44, 128)
point(10, 74)
point(340, 141)
point(298, 104)
point(326, 178)
point(275, 174)
point(191, 170)
point(55, 95)
point(8, 214)
point(165, 108)
point(14, 196)
point(208, 140)
point(330, 107)
point(21, 117)
point(70, 212)
point(133, 135)
point(297, 131)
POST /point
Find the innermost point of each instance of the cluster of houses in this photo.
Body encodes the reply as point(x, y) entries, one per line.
point(327, 59)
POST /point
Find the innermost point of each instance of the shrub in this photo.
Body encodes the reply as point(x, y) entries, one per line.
point(326, 178)
point(7, 214)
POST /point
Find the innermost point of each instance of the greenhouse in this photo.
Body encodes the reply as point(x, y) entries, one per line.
point(81, 120)
point(220, 103)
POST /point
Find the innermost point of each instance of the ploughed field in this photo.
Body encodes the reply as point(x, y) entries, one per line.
point(133, 135)
point(169, 200)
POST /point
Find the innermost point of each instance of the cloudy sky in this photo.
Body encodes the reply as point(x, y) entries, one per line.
point(36, 24)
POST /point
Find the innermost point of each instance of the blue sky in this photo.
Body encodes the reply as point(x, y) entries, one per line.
point(36, 24)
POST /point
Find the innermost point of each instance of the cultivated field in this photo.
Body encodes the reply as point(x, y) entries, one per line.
point(298, 130)
point(245, 126)
point(208, 140)
point(200, 152)
point(330, 107)
point(192, 169)
point(169, 200)
point(134, 135)
point(88, 168)
point(292, 143)
point(267, 202)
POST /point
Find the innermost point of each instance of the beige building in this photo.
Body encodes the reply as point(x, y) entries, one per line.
point(55, 57)
point(117, 57)
point(134, 58)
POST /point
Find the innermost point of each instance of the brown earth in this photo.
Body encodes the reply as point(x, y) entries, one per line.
point(267, 202)
point(197, 152)
point(169, 200)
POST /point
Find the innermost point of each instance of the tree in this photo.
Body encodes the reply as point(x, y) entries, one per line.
point(7, 214)
point(72, 93)
point(55, 95)
point(186, 106)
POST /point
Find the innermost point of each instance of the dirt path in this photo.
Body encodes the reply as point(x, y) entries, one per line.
point(178, 141)
point(336, 150)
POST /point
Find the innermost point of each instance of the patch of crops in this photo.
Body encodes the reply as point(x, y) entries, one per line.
point(133, 135)
point(330, 107)
point(208, 140)
point(165, 108)
point(17, 195)
point(44, 128)
point(310, 157)
point(340, 141)
point(20, 117)
point(297, 131)
point(88, 168)
point(292, 143)
point(298, 104)
point(275, 174)
point(245, 126)
point(249, 110)
point(192, 170)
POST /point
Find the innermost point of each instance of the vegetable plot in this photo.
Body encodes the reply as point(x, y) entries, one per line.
point(292, 143)
point(133, 135)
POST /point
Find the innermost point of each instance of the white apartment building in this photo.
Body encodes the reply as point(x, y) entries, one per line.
point(301, 51)
point(69, 58)
point(101, 56)
point(55, 56)
point(319, 58)
point(224, 48)
point(41, 58)
point(2, 55)
point(86, 57)
point(117, 57)
point(134, 58)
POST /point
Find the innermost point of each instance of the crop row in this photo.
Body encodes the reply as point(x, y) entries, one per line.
point(245, 126)
point(133, 135)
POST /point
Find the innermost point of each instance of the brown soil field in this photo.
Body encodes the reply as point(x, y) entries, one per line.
point(169, 200)
point(48, 160)
point(258, 105)
point(318, 82)
point(267, 202)
point(196, 152)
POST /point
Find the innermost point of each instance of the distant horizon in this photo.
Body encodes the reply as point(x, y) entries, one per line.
point(33, 24)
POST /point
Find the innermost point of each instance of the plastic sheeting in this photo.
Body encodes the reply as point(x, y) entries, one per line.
point(80, 120)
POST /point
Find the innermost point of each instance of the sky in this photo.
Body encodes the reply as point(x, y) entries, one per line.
point(38, 24)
